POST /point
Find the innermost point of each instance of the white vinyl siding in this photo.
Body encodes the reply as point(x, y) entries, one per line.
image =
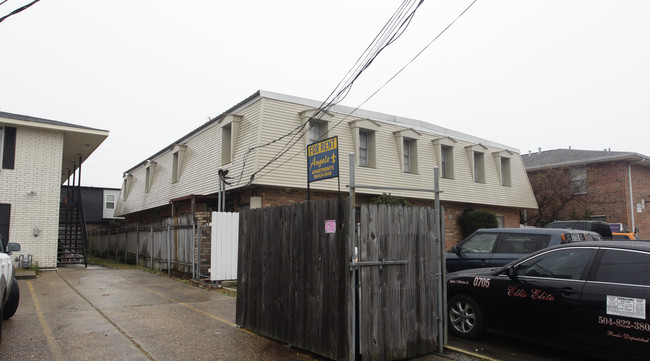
point(266, 119)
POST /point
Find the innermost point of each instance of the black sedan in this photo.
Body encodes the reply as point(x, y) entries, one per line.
point(591, 296)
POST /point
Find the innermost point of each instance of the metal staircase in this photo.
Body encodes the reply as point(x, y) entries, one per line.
point(72, 226)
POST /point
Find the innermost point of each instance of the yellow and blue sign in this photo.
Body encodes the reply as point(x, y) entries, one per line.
point(323, 159)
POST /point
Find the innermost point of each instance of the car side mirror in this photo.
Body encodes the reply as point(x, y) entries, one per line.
point(511, 272)
point(456, 250)
point(13, 247)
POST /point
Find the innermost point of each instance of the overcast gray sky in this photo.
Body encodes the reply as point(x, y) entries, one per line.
point(527, 74)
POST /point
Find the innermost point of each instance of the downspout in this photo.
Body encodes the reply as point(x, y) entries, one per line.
point(629, 180)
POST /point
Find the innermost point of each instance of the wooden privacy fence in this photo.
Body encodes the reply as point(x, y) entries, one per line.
point(293, 278)
point(296, 283)
point(398, 299)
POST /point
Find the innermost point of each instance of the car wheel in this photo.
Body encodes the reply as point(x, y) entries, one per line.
point(12, 302)
point(465, 317)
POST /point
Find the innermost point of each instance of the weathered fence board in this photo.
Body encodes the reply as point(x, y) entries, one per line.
point(291, 276)
point(295, 283)
point(397, 301)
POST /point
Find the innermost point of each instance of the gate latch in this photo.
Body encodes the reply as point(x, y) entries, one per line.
point(381, 264)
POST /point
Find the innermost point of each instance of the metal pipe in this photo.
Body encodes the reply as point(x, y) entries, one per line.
point(198, 252)
point(169, 250)
point(152, 244)
point(353, 316)
point(394, 188)
point(137, 245)
point(439, 258)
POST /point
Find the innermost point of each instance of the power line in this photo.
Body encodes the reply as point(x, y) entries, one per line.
point(391, 31)
point(20, 9)
point(380, 88)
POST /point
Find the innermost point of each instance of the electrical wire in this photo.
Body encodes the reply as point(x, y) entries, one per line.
point(391, 31)
point(379, 89)
point(20, 9)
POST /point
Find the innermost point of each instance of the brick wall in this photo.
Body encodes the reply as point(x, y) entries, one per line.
point(274, 196)
point(38, 169)
point(608, 195)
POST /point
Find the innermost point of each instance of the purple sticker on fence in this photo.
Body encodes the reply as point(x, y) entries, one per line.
point(330, 226)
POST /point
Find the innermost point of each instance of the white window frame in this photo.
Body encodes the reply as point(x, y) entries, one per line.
point(307, 117)
point(126, 185)
point(409, 155)
point(364, 147)
point(370, 128)
point(107, 202)
point(446, 160)
point(578, 179)
point(503, 162)
point(408, 138)
point(178, 155)
point(476, 155)
point(317, 131)
point(150, 169)
point(506, 172)
point(229, 131)
point(479, 167)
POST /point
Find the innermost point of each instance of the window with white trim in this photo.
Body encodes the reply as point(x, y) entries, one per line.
point(364, 137)
point(178, 153)
point(226, 144)
point(126, 185)
point(506, 178)
point(479, 167)
point(407, 149)
point(149, 174)
point(410, 155)
point(446, 161)
point(317, 130)
point(110, 201)
point(579, 180)
point(366, 148)
point(229, 131)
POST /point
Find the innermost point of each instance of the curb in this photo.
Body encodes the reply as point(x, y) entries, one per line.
point(25, 274)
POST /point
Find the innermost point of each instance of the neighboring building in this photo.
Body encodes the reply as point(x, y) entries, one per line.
point(98, 205)
point(613, 187)
point(261, 142)
point(37, 156)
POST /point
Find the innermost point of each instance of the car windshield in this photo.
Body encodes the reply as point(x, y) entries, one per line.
point(479, 243)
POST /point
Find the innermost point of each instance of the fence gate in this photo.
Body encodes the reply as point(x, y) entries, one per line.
point(397, 293)
point(223, 251)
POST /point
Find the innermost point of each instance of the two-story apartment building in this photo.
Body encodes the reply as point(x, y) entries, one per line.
point(605, 185)
point(261, 144)
point(37, 158)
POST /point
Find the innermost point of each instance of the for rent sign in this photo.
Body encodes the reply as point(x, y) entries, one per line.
point(323, 160)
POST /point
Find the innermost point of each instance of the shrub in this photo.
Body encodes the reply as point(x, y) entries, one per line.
point(473, 219)
point(390, 199)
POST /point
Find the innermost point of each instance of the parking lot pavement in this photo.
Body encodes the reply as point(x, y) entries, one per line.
point(107, 314)
point(79, 313)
